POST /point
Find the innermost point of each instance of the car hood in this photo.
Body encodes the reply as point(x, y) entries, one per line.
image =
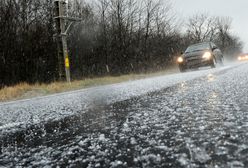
point(195, 53)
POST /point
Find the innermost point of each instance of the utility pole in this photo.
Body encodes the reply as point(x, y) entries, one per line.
point(63, 24)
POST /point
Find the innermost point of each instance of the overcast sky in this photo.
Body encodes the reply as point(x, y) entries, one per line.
point(236, 9)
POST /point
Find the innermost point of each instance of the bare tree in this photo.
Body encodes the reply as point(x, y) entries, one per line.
point(223, 35)
point(230, 44)
point(26, 52)
point(201, 27)
point(114, 37)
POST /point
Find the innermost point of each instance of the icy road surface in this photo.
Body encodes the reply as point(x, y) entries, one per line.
point(194, 119)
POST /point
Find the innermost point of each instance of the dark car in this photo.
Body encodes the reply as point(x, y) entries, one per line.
point(200, 55)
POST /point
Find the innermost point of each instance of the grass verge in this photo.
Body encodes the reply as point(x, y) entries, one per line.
point(24, 90)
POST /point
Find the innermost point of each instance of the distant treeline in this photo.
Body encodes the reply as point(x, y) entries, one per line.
point(115, 37)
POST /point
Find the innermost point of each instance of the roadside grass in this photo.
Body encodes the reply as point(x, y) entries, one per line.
point(25, 90)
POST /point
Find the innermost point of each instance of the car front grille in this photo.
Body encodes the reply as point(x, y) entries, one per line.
point(194, 62)
point(193, 59)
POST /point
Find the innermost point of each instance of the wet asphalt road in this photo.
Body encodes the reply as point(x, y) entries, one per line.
point(197, 123)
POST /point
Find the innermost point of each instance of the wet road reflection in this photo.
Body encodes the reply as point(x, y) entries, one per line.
point(199, 123)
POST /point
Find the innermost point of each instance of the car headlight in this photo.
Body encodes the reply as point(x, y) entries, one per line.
point(180, 60)
point(239, 58)
point(207, 56)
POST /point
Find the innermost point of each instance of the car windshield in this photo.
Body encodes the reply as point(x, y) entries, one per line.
point(198, 47)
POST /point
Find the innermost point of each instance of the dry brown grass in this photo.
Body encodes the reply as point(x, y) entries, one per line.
point(24, 90)
point(8, 93)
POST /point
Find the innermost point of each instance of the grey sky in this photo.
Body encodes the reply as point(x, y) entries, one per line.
point(236, 9)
